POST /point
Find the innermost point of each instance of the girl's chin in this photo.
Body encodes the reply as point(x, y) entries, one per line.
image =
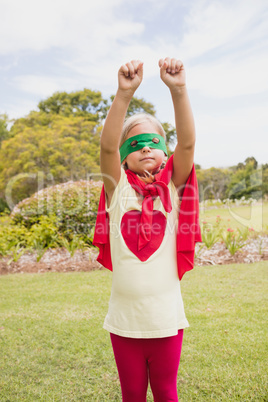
point(146, 171)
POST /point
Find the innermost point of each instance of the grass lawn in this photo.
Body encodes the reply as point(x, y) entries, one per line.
point(255, 216)
point(53, 347)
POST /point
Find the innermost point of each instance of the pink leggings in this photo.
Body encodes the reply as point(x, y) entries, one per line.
point(141, 360)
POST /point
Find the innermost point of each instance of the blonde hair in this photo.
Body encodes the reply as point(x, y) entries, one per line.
point(140, 118)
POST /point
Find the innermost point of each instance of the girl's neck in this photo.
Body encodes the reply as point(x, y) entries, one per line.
point(147, 178)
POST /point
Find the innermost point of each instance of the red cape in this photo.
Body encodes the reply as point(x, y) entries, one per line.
point(188, 228)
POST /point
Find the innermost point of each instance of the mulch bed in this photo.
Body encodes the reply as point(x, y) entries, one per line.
point(59, 260)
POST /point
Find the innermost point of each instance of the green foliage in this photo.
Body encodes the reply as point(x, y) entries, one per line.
point(61, 142)
point(75, 244)
point(246, 181)
point(3, 205)
point(265, 179)
point(211, 233)
point(212, 183)
point(4, 132)
point(236, 182)
point(75, 204)
point(16, 239)
point(44, 233)
point(45, 150)
point(87, 104)
point(12, 236)
point(16, 252)
point(138, 105)
point(233, 240)
point(171, 137)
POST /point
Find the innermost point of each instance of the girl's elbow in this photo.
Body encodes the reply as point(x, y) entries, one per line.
point(107, 147)
point(188, 146)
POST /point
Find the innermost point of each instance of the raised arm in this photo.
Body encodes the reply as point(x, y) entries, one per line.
point(172, 74)
point(129, 78)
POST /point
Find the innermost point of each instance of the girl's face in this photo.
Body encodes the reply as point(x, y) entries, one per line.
point(146, 158)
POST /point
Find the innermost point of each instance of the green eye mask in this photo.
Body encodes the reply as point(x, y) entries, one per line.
point(140, 141)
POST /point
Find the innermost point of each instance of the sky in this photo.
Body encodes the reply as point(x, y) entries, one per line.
point(63, 45)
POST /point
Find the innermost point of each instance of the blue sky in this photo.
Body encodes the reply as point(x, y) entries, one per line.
point(64, 45)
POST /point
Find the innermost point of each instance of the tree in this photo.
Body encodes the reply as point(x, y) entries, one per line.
point(265, 179)
point(245, 181)
point(63, 149)
point(88, 104)
point(137, 105)
point(212, 183)
point(251, 160)
point(171, 137)
point(4, 133)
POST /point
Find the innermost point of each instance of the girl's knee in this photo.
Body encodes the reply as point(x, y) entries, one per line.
point(165, 392)
point(134, 394)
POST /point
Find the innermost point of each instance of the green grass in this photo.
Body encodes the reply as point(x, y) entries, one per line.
point(255, 216)
point(53, 347)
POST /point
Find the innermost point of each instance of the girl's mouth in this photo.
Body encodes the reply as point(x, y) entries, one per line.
point(147, 158)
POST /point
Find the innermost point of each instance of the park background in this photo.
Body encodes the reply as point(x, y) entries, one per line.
point(59, 63)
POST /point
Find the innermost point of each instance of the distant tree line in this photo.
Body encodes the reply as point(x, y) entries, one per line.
point(243, 180)
point(60, 142)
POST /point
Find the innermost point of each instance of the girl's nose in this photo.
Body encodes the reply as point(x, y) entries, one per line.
point(146, 149)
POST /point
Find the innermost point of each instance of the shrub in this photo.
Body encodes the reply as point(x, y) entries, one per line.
point(43, 234)
point(15, 237)
point(233, 240)
point(75, 204)
point(210, 233)
point(11, 236)
point(3, 205)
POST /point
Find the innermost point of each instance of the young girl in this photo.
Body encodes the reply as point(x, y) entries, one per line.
point(140, 236)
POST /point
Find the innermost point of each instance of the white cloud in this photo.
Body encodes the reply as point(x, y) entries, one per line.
point(222, 43)
point(20, 108)
point(43, 85)
point(211, 26)
point(229, 138)
point(230, 77)
point(36, 25)
point(98, 41)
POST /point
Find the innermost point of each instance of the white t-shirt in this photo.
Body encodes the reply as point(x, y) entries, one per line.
point(146, 298)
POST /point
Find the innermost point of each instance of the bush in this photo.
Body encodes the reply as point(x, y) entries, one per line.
point(234, 239)
point(15, 237)
point(3, 206)
point(73, 204)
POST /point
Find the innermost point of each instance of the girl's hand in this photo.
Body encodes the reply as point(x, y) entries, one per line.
point(172, 73)
point(130, 76)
